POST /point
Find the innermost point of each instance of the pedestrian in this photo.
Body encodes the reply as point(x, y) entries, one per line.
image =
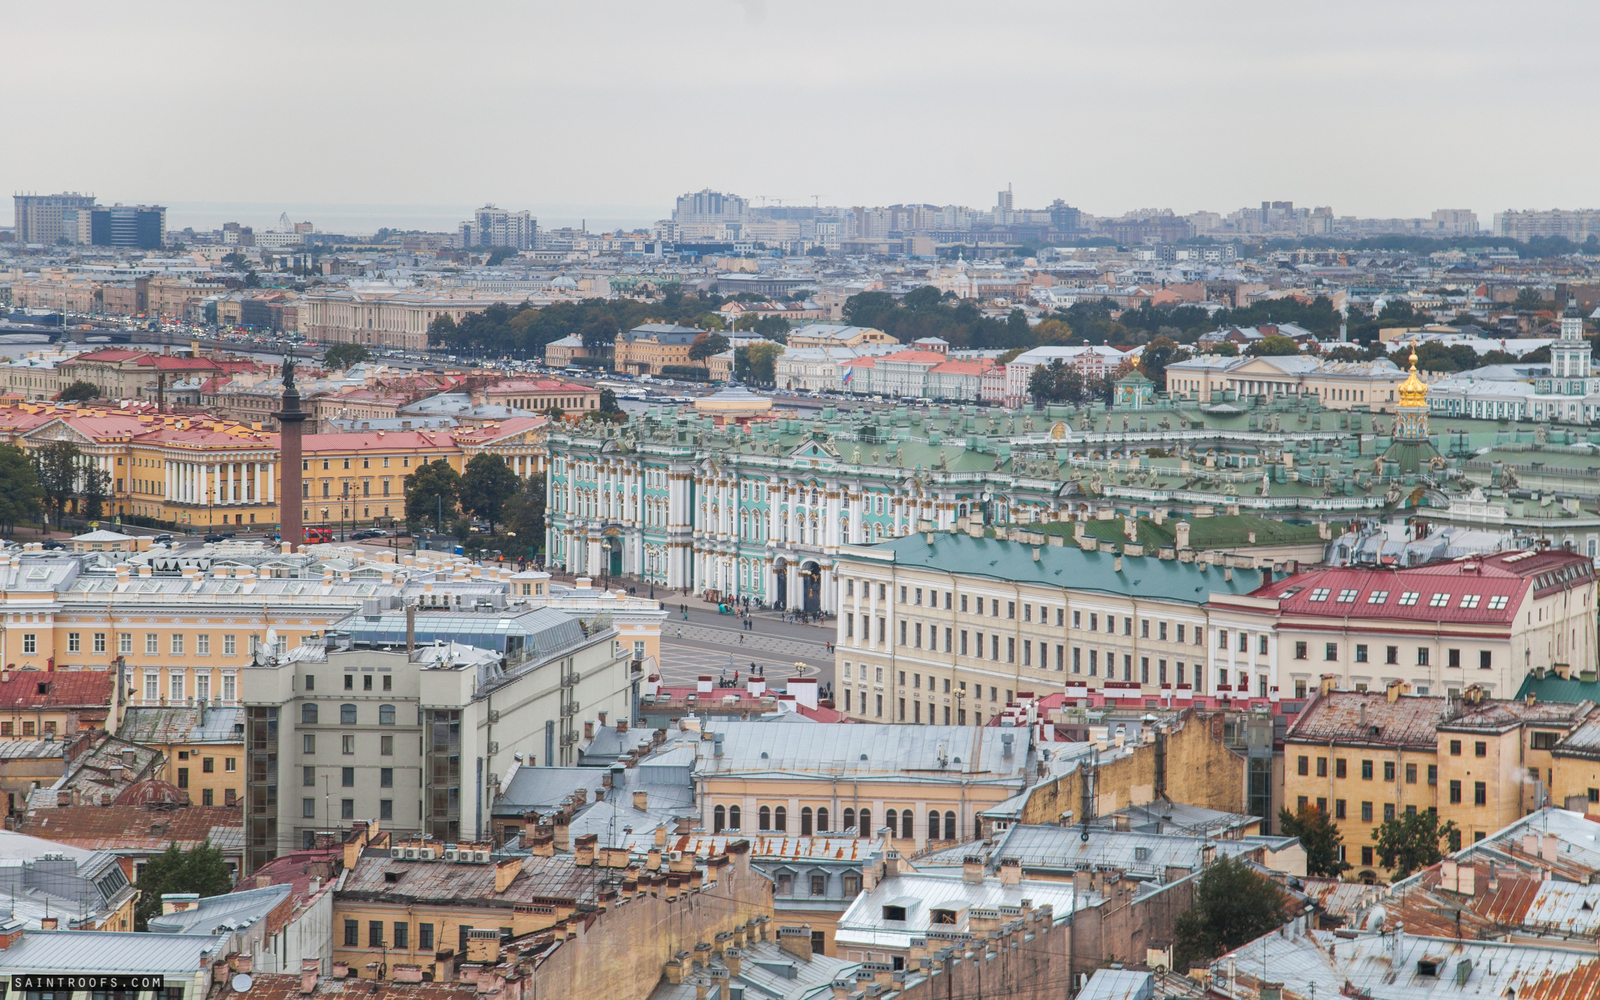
point(741, 638)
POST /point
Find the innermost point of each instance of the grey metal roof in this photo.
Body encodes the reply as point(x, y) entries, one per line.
point(182, 725)
point(767, 972)
point(1058, 848)
point(179, 955)
point(221, 914)
point(954, 753)
point(543, 631)
point(1119, 984)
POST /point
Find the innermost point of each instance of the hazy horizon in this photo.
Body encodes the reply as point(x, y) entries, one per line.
point(609, 112)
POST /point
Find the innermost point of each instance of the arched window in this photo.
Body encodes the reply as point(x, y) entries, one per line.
point(905, 825)
point(866, 823)
point(977, 828)
point(891, 819)
point(764, 817)
point(805, 822)
point(308, 713)
point(822, 821)
point(385, 715)
point(780, 819)
point(949, 826)
point(933, 824)
point(347, 715)
point(733, 817)
point(719, 817)
point(849, 820)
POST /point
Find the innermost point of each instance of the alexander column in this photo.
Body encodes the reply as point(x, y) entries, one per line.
point(289, 420)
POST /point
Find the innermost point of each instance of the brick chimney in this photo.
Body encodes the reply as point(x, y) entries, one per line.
point(1010, 871)
point(641, 800)
point(561, 827)
point(584, 849)
point(506, 872)
point(796, 941)
point(310, 968)
point(972, 869)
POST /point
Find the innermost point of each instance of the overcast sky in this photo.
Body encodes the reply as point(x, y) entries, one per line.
point(608, 111)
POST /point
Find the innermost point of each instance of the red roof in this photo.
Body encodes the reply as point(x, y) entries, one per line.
point(368, 440)
point(107, 354)
point(1474, 590)
point(133, 828)
point(168, 362)
point(56, 689)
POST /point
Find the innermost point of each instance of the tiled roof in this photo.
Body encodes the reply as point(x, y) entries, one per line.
point(1361, 718)
point(135, 828)
point(56, 689)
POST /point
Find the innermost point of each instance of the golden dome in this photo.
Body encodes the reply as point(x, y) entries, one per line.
point(1413, 391)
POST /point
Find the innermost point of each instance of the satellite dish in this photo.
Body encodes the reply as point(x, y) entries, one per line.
point(242, 983)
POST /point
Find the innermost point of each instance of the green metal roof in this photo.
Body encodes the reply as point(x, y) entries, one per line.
point(1553, 688)
point(1069, 567)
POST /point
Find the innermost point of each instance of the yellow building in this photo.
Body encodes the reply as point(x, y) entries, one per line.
point(202, 748)
point(1367, 757)
point(651, 347)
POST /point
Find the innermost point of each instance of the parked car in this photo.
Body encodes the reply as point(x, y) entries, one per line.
point(162, 539)
point(213, 537)
point(52, 544)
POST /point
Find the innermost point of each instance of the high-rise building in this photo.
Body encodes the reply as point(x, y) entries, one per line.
point(53, 218)
point(710, 206)
point(497, 227)
point(143, 226)
point(1003, 200)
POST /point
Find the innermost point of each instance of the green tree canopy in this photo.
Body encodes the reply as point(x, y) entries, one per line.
point(1233, 905)
point(1528, 299)
point(20, 493)
point(1411, 841)
point(1226, 349)
point(1319, 836)
point(524, 516)
point(1056, 382)
point(486, 486)
point(342, 356)
point(202, 870)
point(1276, 345)
point(1158, 354)
point(78, 392)
point(427, 488)
point(756, 363)
point(608, 402)
point(707, 345)
point(57, 466)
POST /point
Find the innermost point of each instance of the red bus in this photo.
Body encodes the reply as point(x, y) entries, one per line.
point(314, 536)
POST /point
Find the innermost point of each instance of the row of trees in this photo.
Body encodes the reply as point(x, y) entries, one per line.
point(512, 508)
point(503, 329)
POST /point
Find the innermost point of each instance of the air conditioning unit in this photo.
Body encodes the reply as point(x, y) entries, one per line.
point(494, 747)
point(411, 853)
point(450, 852)
point(397, 853)
point(480, 857)
point(427, 854)
point(494, 715)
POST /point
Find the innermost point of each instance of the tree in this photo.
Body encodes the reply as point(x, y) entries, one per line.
point(608, 402)
point(342, 356)
point(486, 486)
point(1226, 349)
point(774, 328)
point(1411, 841)
point(78, 392)
point(441, 331)
point(711, 321)
point(95, 491)
point(707, 345)
point(431, 486)
point(868, 308)
point(1276, 345)
point(524, 515)
point(1158, 354)
point(1232, 905)
point(203, 870)
point(1528, 299)
point(20, 493)
point(56, 467)
point(1319, 836)
point(756, 363)
point(1057, 382)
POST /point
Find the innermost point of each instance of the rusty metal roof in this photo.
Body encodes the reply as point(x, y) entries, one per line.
point(1364, 718)
point(542, 880)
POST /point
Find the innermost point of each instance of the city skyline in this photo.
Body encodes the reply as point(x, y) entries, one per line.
point(1114, 112)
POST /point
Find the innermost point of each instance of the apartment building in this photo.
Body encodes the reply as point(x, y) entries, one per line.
point(355, 727)
point(1366, 757)
point(53, 218)
point(935, 628)
point(834, 335)
point(122, 373)
point(1480, 620)
point(202, 747)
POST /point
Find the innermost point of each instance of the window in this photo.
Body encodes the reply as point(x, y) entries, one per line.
point(1366, 770)
point(230, 645)
point(386, 714)
point(1389, 770)
point(1498, 602)
point(1299, 650)
point(366, 682)
point(1411, 774)
point(177, 644)
point(1455, 793)
point(99, 642)
point(152, 644)
point(1480, 749)
point(208, 765)
point(1304, 765)
point(347, 777)
point(1339, 768)
point(1470, 600)
point(1378, 597)
point(347, 713)
point(1347, 596)
point(386, 745)
point(347, 745)
point(74, 642)
point(1455, 748)
point(347, 808)
point(1319, 594)
point(1544, 740)
point(308, 776)
point(308, 743)
point(1485, 661)
point(1322, 767)
point(202, 645)
point(1439, 600)
point(819, 885)
point(308, 713)
point(1330, 651)
point(425, 937)
point(349, 682)
point(1388, 811)
point(374, 928)
point(1480, 793)
point(1433, 774)
point(1409, 597)
point(1391, 654)
point(385, 777)
point(352, 933)
point(1366, 812)
point(125, 643)
point(402, 936)
point(1422, 656)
